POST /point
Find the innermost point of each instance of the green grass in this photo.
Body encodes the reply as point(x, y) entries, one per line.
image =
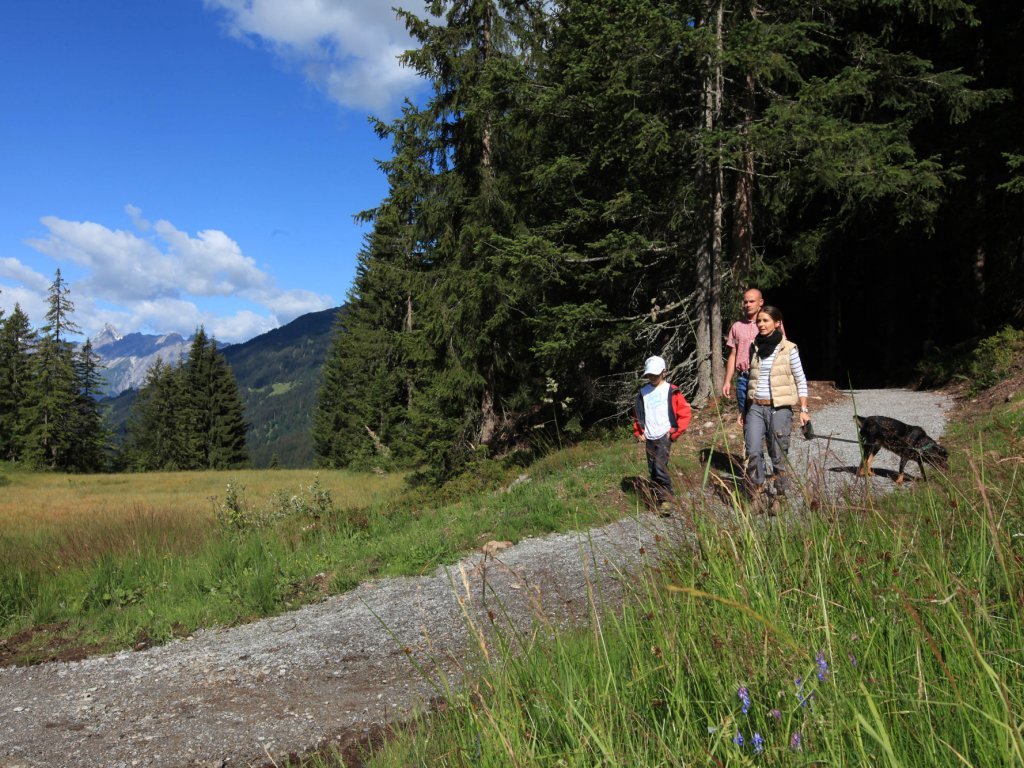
point(889, 634)
point(98, 575)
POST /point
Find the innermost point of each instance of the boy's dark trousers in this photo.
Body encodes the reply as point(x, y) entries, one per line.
point(657, 463)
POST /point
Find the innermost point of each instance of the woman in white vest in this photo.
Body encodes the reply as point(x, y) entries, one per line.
point(777, 384)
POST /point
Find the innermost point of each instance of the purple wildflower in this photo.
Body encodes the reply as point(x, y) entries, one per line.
point(795, 742)
point(805, 701)
point(758, 743)
point(738, 739)
point(822, 666)
point(744, 695)
point(777, 715)
point(853, 660)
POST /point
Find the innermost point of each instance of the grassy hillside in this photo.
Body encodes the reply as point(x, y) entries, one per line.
point(94, 563)
point(278, 375)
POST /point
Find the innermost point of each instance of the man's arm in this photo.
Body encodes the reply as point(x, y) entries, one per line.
point(730, 369)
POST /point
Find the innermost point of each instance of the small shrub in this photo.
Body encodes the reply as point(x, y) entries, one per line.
point(315, 502)
point(994, 358)
point(980, 364)
point(231, 513)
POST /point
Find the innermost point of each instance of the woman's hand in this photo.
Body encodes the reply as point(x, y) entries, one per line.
point(804, 418)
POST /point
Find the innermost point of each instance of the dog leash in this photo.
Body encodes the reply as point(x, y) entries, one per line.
point(808, 432)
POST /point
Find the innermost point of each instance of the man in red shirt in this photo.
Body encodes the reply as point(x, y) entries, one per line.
point(741, 334)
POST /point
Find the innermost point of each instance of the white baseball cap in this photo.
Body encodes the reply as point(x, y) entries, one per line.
point(654, 366)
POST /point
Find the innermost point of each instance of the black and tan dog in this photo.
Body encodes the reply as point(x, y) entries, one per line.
point(908, 442)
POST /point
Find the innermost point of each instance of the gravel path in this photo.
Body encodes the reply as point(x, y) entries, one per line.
point(828, 465)
point(332, 671)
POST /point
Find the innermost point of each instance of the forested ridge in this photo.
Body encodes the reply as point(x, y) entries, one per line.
point(593, 182)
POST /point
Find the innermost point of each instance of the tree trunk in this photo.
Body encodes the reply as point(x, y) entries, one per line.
point(743, 201)
point(710, 368)
point(488, 417)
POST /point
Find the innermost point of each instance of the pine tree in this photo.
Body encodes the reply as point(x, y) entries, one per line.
point(194, 374)
point(17, 342)
point(213, 413)
point(90, 438)
point(155, 434)
point(475, 372)
point(226, 446)
point(47, 422)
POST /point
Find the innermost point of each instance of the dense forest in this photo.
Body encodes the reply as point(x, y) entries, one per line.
point(591, 182)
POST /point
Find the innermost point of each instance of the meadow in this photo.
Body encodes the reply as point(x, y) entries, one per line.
point(99, 563)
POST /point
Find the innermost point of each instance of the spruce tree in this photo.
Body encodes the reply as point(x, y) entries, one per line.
point(212, 416)
point(47, 422)
point(17, 342)
point(155, 434)
point(226, 446)
point(90, 438)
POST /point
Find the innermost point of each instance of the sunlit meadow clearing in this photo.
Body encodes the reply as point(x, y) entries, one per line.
point(65, 519)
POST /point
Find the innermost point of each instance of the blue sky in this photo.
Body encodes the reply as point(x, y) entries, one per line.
point(189, 162)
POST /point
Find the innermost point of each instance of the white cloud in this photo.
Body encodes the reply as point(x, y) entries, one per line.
point(136, 215)
point(123, 266)
point(31, 301)
point(159, 282)
point(240, 327)
point(212, 264)
point(12, 269)
point(287, 305)
point(165, 315)
point(347, 48)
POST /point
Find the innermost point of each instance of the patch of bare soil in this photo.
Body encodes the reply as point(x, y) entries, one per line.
point(42, 643)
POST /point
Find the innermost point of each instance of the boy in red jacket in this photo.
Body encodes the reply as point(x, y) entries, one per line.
point(661, 414)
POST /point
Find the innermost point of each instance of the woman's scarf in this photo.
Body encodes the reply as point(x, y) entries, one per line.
point(765, 345)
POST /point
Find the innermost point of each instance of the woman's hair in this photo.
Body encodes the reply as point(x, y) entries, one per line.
point(773, 312)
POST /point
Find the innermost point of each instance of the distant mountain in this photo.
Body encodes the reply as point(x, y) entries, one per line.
point(127, 358)
point(278, 374)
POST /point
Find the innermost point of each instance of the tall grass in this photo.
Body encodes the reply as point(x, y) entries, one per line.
point(889, 634)
point(104, 563)
point(98, 563)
